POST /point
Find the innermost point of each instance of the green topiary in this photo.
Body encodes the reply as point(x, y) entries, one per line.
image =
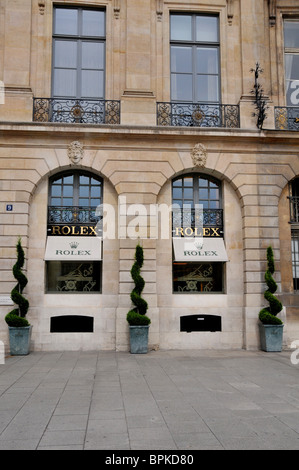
point(13, 319)
point(17, 316)
point(137, 316)
point(268, 314)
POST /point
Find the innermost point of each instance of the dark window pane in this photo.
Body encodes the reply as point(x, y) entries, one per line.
point(68, 180)
point(95, 202)
point(180, 27)
point(207, 60)
point(177, 193)
point(194, 278)
point(214, 193)
point(56, 191)
point(55, 201)
point(67, 201)
point(188, 193)
point(84, 179)
point(92, 84)
point(214, 204)
point(68, 191)
point(65, 81)
point(203, 183)
point(93, 23)
point(207, 88)
point(188, 181)
point(177, 202)
point(92, 55)
point(66, 21)
point(207, 28)
point(292, 66)
point(83, 202)
point(291, 34)
point(181, 59)
point(65, 54)
point(72, 277)
point(181, 87)
point(95, 182)
point(203, 193)
point(84, 191)
point(95, 192)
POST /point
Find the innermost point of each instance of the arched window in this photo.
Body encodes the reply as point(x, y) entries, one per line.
point(199, 252)
point(74, 197)
point(74, 263)
point(190, 192)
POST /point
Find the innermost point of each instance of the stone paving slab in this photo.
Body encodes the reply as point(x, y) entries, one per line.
point(164, 400)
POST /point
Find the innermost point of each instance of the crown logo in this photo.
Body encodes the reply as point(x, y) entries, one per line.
point(74, 244)
point(198, 244)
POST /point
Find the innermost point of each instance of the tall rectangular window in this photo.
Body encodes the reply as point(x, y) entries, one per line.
point(78, 53)
point(291, 49)
point(194, 58)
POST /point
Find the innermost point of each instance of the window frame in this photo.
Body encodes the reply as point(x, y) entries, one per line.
point(220, 264)
point(290, 51)
point(76, 187)
point(75, 204)
point(196, 186)
point(68, 291)
point(80, 39)
point(194, 45)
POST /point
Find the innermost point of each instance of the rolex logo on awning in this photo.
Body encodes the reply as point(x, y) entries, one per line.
point(74, 245)
point(73, 248)
point(199, 249)
point(198, 244)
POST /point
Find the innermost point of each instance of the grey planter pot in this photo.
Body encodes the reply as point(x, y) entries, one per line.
point(19, 340)
point(139, 339)
point(271, 337)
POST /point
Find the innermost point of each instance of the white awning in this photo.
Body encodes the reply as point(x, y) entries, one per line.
point(199, 249)
point(73, 248)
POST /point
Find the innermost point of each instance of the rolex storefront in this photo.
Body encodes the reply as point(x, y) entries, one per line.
point(82, 237)
point(201, 237)
point(74, 287)
point(151, 122)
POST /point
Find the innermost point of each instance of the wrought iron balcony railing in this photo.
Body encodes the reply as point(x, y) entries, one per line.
point(76, 111)
point(188, 222)
point(60, 215)
point(294, 209)
point(198, 115)
point(287, 118)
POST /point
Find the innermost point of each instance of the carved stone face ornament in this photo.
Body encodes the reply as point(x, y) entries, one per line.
point(199, 155)
point(75, 152)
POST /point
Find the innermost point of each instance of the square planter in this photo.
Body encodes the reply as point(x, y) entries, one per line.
point(19, 340)
point(271, 337)
point(139, 339)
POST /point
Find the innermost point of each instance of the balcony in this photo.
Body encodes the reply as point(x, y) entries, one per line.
point(76, 111)
point(286, 118)
point(72, 215)
point(73, 220)
point(198, 115)
point(190, 222)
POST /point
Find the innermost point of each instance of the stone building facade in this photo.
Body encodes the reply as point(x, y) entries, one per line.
point(138, 108)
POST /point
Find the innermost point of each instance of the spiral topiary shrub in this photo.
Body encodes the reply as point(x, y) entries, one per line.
point(268, 314)
point(17, 316)
point(137, 316)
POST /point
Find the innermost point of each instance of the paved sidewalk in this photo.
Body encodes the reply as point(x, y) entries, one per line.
point(164, 400)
